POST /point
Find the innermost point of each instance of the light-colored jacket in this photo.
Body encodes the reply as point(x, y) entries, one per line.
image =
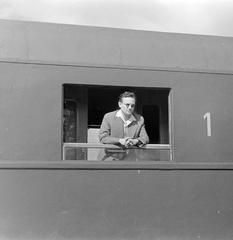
point(112, 129)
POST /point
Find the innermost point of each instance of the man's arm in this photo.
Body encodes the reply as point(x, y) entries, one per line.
point(143, 137)
point(142, 134)
point(105, 132)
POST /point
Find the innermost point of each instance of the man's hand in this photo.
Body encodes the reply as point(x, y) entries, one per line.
point(124, 141)
point(133, 142)
point(127, 142)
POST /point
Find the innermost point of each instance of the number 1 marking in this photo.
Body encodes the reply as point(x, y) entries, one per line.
point(207, 115)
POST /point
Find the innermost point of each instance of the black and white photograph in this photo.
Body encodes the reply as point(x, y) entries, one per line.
point(116, 119)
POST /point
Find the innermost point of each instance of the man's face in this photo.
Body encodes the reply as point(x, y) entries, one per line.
point(127, 105)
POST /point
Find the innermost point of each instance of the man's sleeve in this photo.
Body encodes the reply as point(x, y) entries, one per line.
point(105, 132)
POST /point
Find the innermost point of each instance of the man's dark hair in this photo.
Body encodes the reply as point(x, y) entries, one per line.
point(127, 94)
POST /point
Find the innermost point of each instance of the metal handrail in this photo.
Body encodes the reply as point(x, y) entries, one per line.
point(101, 145)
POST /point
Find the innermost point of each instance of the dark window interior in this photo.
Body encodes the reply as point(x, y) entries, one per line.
point(69, 121)
point(69, 126)
point(151, 114)
point(101, 101)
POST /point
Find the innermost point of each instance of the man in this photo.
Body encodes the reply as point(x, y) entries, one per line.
point(123, 127)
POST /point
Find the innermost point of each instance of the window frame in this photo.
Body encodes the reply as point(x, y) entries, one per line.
point(168, 146)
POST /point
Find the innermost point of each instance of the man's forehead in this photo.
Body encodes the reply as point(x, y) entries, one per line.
point(128, 99)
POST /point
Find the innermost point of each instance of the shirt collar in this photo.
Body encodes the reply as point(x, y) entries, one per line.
point(120, 115)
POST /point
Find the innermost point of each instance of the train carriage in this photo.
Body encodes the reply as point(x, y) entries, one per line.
point(57, 81)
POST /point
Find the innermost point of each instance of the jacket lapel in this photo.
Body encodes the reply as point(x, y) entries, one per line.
point(132, 129)
point(119, 126)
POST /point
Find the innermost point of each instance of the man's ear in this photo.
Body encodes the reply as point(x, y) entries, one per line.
point(119, 104)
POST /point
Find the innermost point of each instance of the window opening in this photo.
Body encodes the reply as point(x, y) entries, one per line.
point(84, 108)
